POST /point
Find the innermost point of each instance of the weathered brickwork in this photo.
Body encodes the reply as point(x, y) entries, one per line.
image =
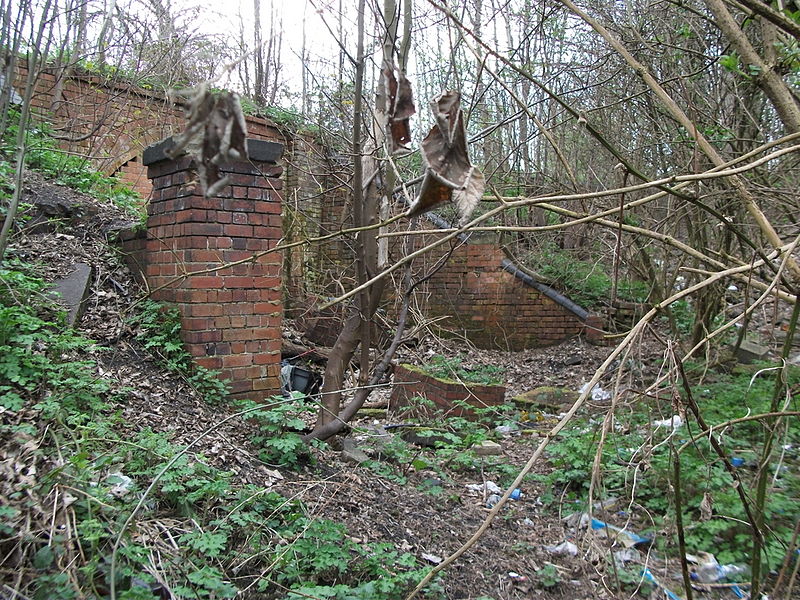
point(410, 382)
point(213, 258)
point(111, 122)
point(491, 307)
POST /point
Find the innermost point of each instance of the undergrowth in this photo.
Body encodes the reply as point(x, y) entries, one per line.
point(584, 282)
point(453, 368)
point(158, 327)
point(638, 469)
point(75, 471)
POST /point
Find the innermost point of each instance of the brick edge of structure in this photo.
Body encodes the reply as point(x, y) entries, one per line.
point(411, 381)
point(231, 314)
point(483, 296)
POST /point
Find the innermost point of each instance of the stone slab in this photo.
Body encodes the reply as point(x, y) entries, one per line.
point(749, 352)
point(547, 397)
point(72, 291)
point(257, 151)
point(352, 453)
point(488, 448)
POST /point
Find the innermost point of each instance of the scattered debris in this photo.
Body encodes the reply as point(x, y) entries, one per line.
point(674, 422)
point(598, 393)
point(646, 574)
point(706, 568)
point(487, 487)
point(431, 558)
point(492, 500)
point(627, 538)
point(122, 484)
point(565, 548)
point(507, 430)
point(488, 448)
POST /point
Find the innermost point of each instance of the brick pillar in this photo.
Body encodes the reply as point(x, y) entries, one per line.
point(231, 315)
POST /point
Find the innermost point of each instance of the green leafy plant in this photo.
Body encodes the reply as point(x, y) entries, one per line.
point(453, 368)
point(279, 425)
point(586, 283)
point(72, 171)
point(640, 461)
point(159, 327)
point(548, 576)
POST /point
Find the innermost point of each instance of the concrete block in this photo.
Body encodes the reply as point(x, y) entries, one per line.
point(749, 352)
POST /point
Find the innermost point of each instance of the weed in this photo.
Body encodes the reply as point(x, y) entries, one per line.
point(72, 171)
point(548, 576)
point(638, 460)
point(453, 368)
point(159, 327)
point(586, 283)
point(197, 531)
point(278, 429)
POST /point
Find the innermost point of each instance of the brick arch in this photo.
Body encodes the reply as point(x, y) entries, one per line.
point(111, 122)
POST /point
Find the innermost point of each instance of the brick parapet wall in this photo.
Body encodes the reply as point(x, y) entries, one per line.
point(111, 122)
point(231, 315)
point(410, 382)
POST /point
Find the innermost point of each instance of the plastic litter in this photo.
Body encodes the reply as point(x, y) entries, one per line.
point(565, 548)
point(646, 574)
point(516, 494)
point(122, 484)
point(708, 570)
point(622, 557)
point(507, 430)
point(737, 461)
point(627, 538)
point(488, 487)
point(431, 558)
point(598, 393)
point(492, 500)
point(673, 422)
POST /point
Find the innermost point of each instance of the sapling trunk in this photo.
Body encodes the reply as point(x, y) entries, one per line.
point(770, 425)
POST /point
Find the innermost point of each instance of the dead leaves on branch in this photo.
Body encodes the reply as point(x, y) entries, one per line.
point(449, 174)
point(215, 134)
point(401, 108)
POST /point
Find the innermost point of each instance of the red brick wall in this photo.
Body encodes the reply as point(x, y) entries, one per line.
point(231, 315)
point(488, 305)
point(111, 122)
point(410, 382)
